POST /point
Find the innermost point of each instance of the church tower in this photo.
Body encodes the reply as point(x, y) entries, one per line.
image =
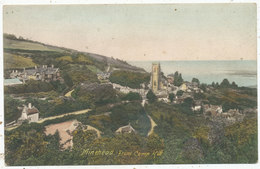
point(156, 77)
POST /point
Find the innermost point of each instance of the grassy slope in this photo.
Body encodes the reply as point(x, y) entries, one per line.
point(26, 45)
point(15, 61)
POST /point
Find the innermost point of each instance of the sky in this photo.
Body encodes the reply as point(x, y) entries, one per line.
point(141, 32)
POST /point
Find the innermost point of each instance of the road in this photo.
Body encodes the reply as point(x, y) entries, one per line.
point(55, 117)
point(153, 124)
point(69, 93)
point(62, 115)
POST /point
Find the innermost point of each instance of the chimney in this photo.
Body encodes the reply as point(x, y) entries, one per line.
point(29, 105)
point(35, 67)
point(16, 71)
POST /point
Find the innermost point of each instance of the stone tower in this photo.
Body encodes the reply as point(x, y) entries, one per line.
point(156, 77)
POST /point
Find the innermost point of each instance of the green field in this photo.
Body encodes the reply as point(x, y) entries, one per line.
point(26, 45)
point(12, 61)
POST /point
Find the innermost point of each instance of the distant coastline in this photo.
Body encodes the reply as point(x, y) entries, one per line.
point(243, 72)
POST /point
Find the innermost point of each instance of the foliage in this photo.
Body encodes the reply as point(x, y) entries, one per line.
point(66, 59)
point(131, 96)
point(82, 59)
point(58, 86)
point(31, 86)
point(179, 93)
point(225, 83)
point(186, 106)
point(171, 97)
point(10, 108)
point(195, 80)
point(177, 79)
point(80, 74)
point(21, 145)
point(151, 96)
point(12, 61)
point(128, 78)
point(203, 86)
point(67, 79)
point(99, 94)
point(199, 96)
point(125, 113)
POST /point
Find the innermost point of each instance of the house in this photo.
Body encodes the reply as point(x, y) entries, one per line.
point(213, 109)
point(170, 78)
point(11, 82)
point(125, 129)
point(29, 113)
point(183, 87)
point(164, 99)
point(43, 73)
point(196, 108)
point(103, 76)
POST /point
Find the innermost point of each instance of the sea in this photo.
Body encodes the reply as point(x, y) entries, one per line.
point(242, 72)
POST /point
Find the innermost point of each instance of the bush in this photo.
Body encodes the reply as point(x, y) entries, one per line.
point(131, 96)
point(130, 79)
point(179, 93)
point(31, 86)
point(151, 96)
point(171, 97)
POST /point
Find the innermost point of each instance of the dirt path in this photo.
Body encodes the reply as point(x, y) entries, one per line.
point(55, 117)
point(62, 115)
point(153, 124)
point(69, 93)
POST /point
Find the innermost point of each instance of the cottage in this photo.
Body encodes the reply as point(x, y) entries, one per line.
point(125, 129)
point(29, 113)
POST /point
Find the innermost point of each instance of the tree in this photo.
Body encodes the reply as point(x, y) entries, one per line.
point(188, 101)
point(179, 93)
point(151, 96)
point(234, 85)
point(171, 97)
point(10, 109)
point(128, 78)
point(225, 83)
point(203, 87)
point(177, 79)
point(131, 96)
point(195, 80)
point(67, 79)
point(213, 84)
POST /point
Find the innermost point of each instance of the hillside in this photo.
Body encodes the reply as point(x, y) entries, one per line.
point(24, 53)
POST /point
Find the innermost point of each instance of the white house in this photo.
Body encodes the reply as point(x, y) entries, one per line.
point(29, 113)
point(196, 108)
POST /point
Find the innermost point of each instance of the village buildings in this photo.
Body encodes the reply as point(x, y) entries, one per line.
point(43, 73)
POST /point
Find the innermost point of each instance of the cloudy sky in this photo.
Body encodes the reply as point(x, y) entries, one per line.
point(142, 32)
